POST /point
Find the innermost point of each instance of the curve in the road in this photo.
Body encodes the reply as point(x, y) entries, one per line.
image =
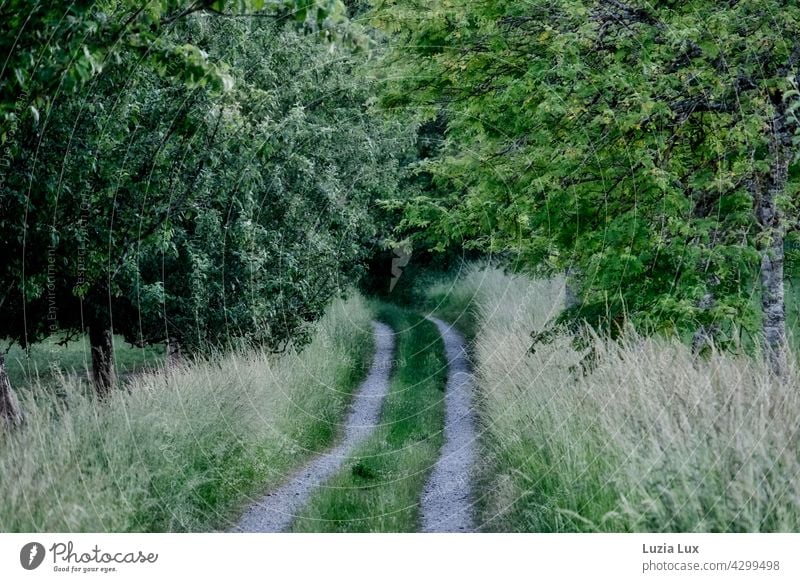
point(446, 503)
point(276, 511)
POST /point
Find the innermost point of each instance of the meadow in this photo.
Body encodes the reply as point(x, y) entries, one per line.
point(584, 433)
point(44, 363)
point(183, 449)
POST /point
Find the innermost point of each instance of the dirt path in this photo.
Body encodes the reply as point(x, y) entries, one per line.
point(276, 511)
point(447, 498)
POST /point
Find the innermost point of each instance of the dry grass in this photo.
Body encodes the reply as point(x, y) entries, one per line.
point(182, 451)
point(635, 435)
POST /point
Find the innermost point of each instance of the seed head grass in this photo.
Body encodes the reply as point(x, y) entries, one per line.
point(585, 433)
point(183, 449)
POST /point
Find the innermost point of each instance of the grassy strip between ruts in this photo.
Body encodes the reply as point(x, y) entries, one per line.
point(379, 488)
point(183, 450)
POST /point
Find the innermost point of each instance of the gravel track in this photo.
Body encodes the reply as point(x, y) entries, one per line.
point(277, 510)
point(446, 502)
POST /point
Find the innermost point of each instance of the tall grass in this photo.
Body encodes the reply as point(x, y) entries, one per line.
point(182, 450)
point(634, 435)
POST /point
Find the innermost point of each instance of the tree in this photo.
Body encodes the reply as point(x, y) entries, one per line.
point(203, 212)
point(53, 48)
point(649, 146)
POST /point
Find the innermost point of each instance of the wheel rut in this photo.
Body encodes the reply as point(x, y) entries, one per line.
point(447, 500)
point(276, 511)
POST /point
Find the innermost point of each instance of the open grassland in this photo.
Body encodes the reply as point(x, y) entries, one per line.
point(380, 486)
point(589, 434)
point(47, 362)
point(180, 450)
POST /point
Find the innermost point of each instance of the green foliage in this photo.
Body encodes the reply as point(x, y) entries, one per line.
point(54, 49)
point(219, 191)
point(623, 141)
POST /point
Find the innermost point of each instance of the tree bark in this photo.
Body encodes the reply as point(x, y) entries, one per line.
point(10, 412)
point(173, 353)
point(773, 307)
point(572, 288)
point(705, 334)
point(103, 372)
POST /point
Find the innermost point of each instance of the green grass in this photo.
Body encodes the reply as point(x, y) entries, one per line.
point(453, 301)
point(47, 360)
point(793, 312)
point(634, 435)
point(380, 486)
point(183, 450)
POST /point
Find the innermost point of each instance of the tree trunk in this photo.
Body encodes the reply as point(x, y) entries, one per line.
point(173, 353)
point(103, 372)
point(10, 413)
point(773, 308)
point(705, 334)
point(572, 288)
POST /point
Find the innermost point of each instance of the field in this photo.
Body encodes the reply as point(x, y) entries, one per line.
point(183, 450)
point(47, 361)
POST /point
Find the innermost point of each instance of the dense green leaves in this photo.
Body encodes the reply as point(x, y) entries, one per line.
point(161, 203)
point(627, 142)
point(51, 49)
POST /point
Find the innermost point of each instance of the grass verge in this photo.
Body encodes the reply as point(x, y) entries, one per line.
point(453, 300)
point(380, 486)
point(184, 450)
point(630, 435)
